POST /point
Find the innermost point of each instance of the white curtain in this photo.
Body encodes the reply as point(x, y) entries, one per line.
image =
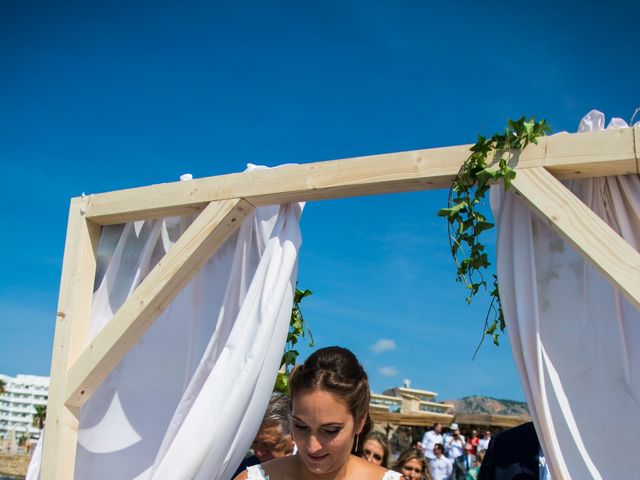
point(574, 337)
point(187, 400)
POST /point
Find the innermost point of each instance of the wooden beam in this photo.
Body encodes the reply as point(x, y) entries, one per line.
point(566, 155)
point(180, 264)
point(609, 253)
point(72, 320)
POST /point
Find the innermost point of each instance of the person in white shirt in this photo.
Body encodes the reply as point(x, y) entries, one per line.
point(440, 467)
point(448, 435)
point(430, 439)
point(483, 443)
point(455, 445)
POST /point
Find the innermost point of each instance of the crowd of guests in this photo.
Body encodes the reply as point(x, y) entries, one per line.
point(323, 430)
point(437, 457)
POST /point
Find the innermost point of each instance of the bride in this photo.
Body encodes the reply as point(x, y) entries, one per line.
point(330, 417)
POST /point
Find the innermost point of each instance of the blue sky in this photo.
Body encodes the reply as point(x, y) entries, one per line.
point(99, 96)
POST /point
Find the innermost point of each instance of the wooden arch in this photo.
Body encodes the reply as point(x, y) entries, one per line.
point(77, 369)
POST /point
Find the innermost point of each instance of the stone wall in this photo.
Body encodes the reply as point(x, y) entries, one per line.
point(14, 465)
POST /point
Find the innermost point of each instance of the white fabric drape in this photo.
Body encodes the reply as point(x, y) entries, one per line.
point(574, 338)
point(187, 400)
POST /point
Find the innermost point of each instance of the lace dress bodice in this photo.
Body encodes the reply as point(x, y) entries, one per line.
point(257, 473)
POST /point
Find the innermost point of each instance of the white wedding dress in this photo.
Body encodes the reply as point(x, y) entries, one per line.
point(257, 473)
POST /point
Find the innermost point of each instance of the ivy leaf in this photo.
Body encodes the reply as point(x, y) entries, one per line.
point(481, 146)
point(290, 357)
point(481, 227)
point(465, 223)
point(508, 177)
point(282, 383)
point(458, 207)
point(297, 329)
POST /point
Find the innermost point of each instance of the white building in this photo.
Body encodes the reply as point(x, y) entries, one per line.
point(17, 403)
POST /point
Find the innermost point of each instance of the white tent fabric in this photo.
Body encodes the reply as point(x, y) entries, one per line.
point(187, 400)
point(574, 337)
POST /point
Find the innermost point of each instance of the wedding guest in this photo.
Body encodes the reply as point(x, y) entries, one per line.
point(417, 444)
point(412, 465)
point(483, 443)
point(474, 471)
point(468, 460)
point(448, 436)
point(455, 445)
point(430, 439)
point(473, 440)
point(455, 452)
point(330, 413)
point(375, 449)
point(273, 439)
point(514, 454)
point(440, 467)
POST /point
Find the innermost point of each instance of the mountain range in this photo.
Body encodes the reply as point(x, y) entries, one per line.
point(478, 404)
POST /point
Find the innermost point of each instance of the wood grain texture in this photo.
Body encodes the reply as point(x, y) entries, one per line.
point(72, 321)
point(607, 251)
point(180, 264)
point(565, 155)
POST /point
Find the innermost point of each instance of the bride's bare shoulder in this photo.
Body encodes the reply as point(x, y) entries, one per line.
point(242, 476)
point(286, 468)
point(276, 469)
point(361, 469)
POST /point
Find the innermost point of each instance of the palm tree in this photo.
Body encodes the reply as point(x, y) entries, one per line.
point(2, 385)
point(40, 416)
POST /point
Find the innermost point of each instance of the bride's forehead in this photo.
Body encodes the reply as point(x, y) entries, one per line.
point(318, 401)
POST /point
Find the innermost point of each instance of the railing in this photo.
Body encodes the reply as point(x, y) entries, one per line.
point(426, 406)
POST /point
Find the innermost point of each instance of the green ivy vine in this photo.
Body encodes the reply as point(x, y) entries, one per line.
point(466, 222)
point(298, 329)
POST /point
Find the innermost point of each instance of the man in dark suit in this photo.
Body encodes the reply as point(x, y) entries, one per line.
point(512, 455)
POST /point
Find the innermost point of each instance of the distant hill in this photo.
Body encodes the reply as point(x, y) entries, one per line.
point(478, 404)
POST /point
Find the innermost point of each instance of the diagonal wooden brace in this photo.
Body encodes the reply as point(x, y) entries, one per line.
point(180, 264)
point(596, 241)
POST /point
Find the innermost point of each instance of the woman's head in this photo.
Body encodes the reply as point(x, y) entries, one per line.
point(337, 371)
point(375, 449)
point(412, 465)
point(330, 405)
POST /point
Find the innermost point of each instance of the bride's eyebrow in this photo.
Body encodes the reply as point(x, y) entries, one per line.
point(324, 425)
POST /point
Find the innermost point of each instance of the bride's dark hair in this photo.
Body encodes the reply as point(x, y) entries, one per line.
point(336, 370)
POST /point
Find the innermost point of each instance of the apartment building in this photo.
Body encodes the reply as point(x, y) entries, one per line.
point(17, 403)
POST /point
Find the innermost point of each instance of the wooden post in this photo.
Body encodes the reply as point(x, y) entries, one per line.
point(607, 251)
point(72, 320)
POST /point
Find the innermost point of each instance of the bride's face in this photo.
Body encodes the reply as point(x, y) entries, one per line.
point(323, 430)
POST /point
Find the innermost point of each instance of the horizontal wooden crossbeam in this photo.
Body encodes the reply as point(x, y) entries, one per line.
point(566, 155)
